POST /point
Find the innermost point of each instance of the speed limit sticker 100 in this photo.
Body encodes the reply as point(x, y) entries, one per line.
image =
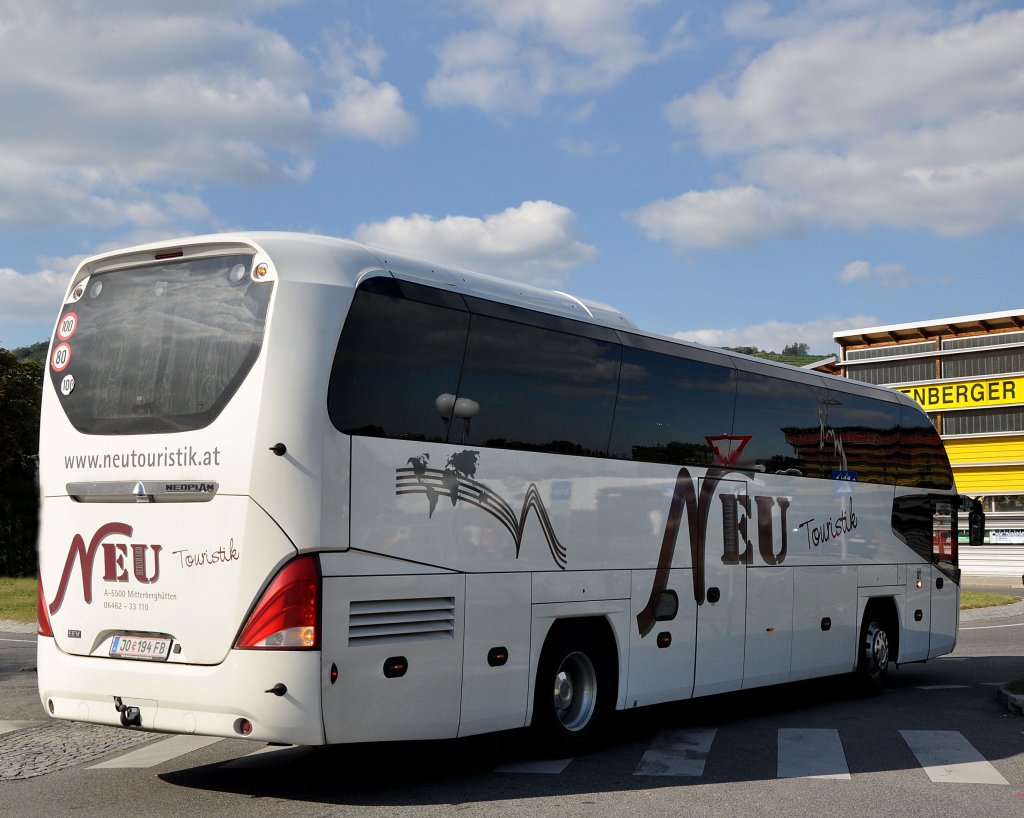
point(67, 326)
point(61, 357)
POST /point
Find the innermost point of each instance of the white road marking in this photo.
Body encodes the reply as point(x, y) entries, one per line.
point(11, 726)
point(991, 627)
point(677, 752)
point(810, 753)
point(947, 756)
point(156, 753)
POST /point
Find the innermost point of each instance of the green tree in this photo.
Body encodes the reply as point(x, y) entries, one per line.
point(35, 352)
point(796, 348)
point(21, 386)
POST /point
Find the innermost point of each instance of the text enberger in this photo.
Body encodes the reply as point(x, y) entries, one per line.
point(185, 456)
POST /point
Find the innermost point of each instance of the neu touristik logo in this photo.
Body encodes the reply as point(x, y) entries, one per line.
point(123, 561)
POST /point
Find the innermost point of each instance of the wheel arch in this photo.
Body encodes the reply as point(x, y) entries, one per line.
point(885, 611)
point(609, 627)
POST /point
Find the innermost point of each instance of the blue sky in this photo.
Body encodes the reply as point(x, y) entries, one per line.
point(751, 173)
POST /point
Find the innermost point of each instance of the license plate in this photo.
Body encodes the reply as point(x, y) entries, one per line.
point(150, 648)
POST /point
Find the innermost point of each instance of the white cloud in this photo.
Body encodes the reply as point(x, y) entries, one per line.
point(362, 108)
point(730, 217)
point(527, 51)
point(124, 111)
point(534, 243)
point(888, 276)
point(865, 114)
point(885, 276)
point(31, 298)
point(775, 335)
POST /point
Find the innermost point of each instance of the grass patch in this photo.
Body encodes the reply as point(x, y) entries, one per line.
point(18, 598)
point(980, 599)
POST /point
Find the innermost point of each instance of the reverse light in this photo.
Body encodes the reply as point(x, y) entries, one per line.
point(44, 628)
point(287, 616)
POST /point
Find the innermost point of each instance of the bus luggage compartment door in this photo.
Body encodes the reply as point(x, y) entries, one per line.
point(392, 657)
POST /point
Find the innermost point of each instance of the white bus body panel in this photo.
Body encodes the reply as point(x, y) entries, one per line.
point(189, 571)
point(767, 658)
point(819, 593)
point(496, 697)
point(945, 614)
point(424, 702)
point(202, 699)
point(662, 674)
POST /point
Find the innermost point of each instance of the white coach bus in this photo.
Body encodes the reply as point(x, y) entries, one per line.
point(300, 490)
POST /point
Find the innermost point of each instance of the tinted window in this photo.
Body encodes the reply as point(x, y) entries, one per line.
point(159, 348)
point(783, 423)
point(537, 389)
point(924, 462)
point(925, 524)
point(396, 356)
point(862, 437)
point(668, 407)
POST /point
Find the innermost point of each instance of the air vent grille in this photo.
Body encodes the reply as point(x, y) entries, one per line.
point(382, 621)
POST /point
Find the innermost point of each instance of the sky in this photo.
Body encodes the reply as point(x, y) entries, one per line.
point(750, 173)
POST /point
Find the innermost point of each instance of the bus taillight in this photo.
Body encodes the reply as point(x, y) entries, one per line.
point(287, 616)
point(44, 628)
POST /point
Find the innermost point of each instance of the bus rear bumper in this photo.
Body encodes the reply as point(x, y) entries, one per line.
point(208, 700)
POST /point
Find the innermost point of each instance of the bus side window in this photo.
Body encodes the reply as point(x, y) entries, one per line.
point(538, 389)
point(668, 407)
point(924, 463)
point(925, 524)
point(395, 357)
point(861, 437)
point(783, 421)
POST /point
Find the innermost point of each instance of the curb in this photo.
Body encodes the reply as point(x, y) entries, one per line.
point(1014, 702)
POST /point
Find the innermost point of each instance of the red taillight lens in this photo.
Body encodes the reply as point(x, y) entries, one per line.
point(287, 616)
point(44, 628)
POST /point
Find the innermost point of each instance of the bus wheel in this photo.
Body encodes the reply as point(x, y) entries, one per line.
point(573, 694)
point(873, 663)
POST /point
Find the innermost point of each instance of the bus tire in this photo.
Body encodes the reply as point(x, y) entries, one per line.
point(574, 694)
point(873, 657)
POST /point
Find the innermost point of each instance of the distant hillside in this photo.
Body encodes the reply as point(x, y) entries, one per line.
point(35, 353)
point(791, 358)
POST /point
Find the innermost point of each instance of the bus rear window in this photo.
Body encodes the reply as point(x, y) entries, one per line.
point(158, 348)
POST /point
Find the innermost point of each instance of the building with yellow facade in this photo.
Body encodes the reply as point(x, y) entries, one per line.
point(968, 374)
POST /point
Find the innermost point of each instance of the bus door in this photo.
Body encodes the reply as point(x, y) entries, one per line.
point(721, 616)
point(945, 587)
point(931, 606)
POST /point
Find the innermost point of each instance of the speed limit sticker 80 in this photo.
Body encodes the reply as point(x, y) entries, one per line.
point(61, 357)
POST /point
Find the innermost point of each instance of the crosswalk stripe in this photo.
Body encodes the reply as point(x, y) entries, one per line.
point(677, 752)
point(156, 753)
point(11, 726)
point(541, 766)
point(811, 753)
point(947, 756)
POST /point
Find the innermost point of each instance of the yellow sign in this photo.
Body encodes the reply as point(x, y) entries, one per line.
point(967, 394)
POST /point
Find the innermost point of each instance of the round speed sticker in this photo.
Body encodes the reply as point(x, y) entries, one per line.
point(61, 357)
point(67, 385)
point(67, 326)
